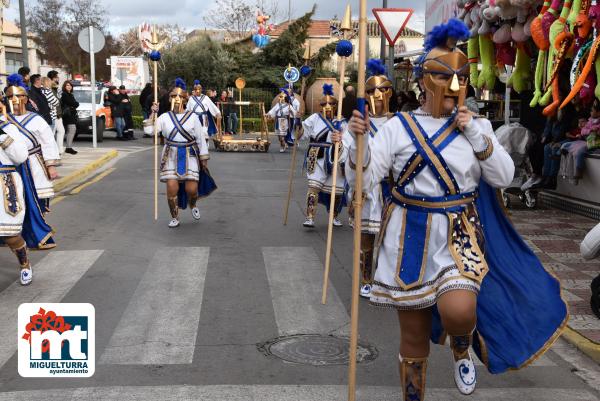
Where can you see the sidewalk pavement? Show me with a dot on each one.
(555, 235)
(76, 167)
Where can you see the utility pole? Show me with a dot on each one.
(383, 40)
(289, 11)
(23, 33)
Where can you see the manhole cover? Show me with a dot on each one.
(316, 349)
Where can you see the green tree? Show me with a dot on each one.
(57, 23)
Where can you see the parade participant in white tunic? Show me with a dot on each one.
(284, 114)
(205, 109)
(379, 92)
(13, 152)
(44, 154)
(319, 158)
(430, 249)
(297, 121)
(185, 156)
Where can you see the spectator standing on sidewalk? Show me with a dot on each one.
(37, 99)
(229, 114)
(147, 92)
(52, 100)
(114, 97)
(25, 73)
(59, 129)
(127, 113)
(69, 115)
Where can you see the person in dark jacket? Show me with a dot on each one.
(114, 98)
(69, 107)
(37, 100)
(147, 92)
(349, 102)
(127, 113)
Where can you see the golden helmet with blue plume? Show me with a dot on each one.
(329, 103)
(178, 96)
(444, 68)
(378, 88)
(16, 95)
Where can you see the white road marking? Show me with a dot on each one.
(295, 277)
(289, 393)
(160, 323)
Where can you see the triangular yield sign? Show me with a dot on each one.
(392, 21)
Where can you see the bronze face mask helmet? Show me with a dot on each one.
(282, 97)
(445, 68)
(329, 102)
(197, 90)
(178, 97)
(378, 89)
(16, 95)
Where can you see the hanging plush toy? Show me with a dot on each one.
(521, 76)
(561, 41)
(590, 62)
(542, 43)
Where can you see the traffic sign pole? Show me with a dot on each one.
(93, 79)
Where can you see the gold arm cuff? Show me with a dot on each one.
(52, 163)
(7, 142)
(204, 157)
(489, 149)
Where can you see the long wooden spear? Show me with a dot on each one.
(362, 64)
(155, 57)
(345, 27)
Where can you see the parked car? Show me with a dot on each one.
(104, 121)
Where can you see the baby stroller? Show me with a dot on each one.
(516, 140)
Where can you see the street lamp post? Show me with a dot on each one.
(383, 41)
(25, 50)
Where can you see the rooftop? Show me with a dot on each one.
(323, 29)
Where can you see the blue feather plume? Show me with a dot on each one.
(376, 67)
(180, 83)
(328, 90)
(16, 80)
(438, 36)
(196, 82)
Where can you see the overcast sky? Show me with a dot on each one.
(188, 13)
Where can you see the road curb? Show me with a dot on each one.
(584, 344)
(64, 182)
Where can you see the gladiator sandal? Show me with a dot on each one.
(413, 372)
(465, 375)
(366, 264)
(311, 208)
(23, 258)
(194, 208)
(174, 209)
(336, 211)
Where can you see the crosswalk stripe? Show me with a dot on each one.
(160, 324)
(295, 277)
(289, 393)
(53, 278)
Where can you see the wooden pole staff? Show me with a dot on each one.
(362, 64)
(155, 87)
(345, 27)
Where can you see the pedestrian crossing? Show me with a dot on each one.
(288, 393)
(161, 321)
(165, 306)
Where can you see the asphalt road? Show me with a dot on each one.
(181, 313)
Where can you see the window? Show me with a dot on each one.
(14, 61)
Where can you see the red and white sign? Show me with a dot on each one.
(392, 21)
